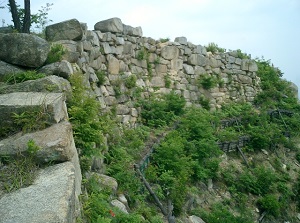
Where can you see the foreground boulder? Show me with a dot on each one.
(67, 30)
(113, 25)
(50, 83)
(56, 144)
(23, 49)
(51, 198)
(6, 68)
(51, 104)
(63, 69)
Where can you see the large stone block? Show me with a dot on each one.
(63, 69)
(48, 84)
(51, 198)
(66, 30)
(6, 68)
(197, 59)
(170, 52)
(182, 40)
(113, 25)
(23, 49)
(113, 65)
(128, 30)
(56, 143)
(52, 105)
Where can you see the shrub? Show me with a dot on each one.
(207, 81)
(242, 55)
(270, 204)
(161, 111)
(214, 48)
(142, 54)
(167, 81)
(101, 75)
(130, 82)
(55, 54)
(164, 40)
(204, 102)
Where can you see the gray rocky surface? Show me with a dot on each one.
(50, 199)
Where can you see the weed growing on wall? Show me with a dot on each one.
(21, 77)
(214, 48)
(19, 171)
(55, 54)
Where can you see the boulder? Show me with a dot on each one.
(113, 25)
(63, 69)
(182, 40)
(118, 204)
(131, 31)
(106, 181)
(66, 30)
(56, 143)
(23, 49)
(113, 65)
(51, 83)
(169, 52)
(188, 69)
(6, 68)
(70, 54)
(51, 198)
(197, 59)
(195, 219)
(51, 105)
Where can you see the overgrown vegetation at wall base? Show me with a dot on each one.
(190, 155)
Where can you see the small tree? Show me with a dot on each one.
(23, 19)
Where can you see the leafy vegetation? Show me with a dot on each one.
(55, 54)
(189, 155)
(214, 48)
(164, 40)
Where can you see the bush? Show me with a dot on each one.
(214, 48)
(130, 82)
(55, 54)
(101, 77)
(208, 82)
(270, 204)
(161, 111)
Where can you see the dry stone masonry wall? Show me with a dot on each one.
(122, 53)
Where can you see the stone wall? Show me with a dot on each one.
(123, 54)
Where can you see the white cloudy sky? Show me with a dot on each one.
(269, 28)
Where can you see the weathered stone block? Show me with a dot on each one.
(48, 84)
(169, 52)
(66, 30)
(182, 40)
(23, 49)
(62, 69)
(6, 68)
(113, 25)
(51, 198)
(56, 143)
(51, 103)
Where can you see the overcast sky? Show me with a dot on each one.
(268, 28)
